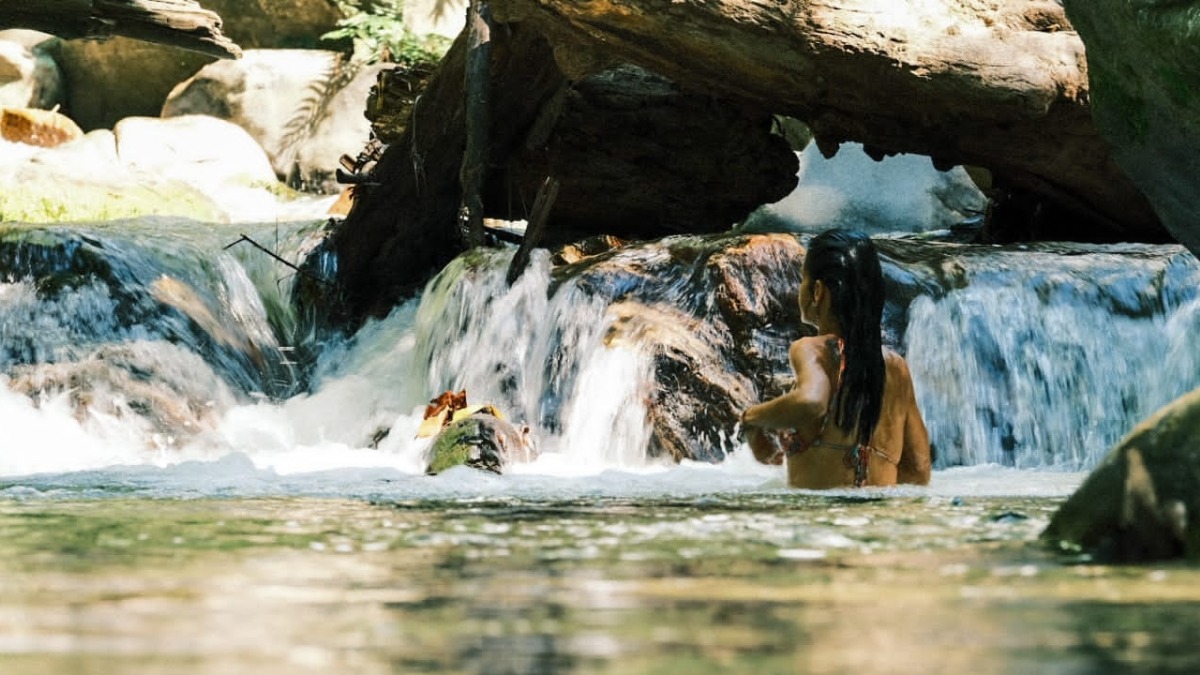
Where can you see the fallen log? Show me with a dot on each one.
(674, 142)
(632, 155)
(178, 23)
(1000, 84)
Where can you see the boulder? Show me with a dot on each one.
(710, 360)
(44, 128)
(480, 441)
(100, 75)
(28, 78)
(304, 107)
(195, 149)
(1141, 502)
(193, 166)
(1146, 101)
(84, 180)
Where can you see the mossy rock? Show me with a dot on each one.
(53, 201)
(1144, 83)
(480, 441)
(1141, 502)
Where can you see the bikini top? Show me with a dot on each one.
(858, 455)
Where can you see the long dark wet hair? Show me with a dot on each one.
(847, 263)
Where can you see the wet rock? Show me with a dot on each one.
(169, 390)
(716, 316)
(480, 441)
(1141, 502)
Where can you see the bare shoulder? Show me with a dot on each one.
(809, 351)
(893, 360)
(897, 367)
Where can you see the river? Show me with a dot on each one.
(194, 480)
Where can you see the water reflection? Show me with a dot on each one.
(767, 582)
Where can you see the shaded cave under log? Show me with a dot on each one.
(632, 155)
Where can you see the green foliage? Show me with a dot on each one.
(379, 33)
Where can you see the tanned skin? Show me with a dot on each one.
(900, 433)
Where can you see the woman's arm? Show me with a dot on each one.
(803, 408)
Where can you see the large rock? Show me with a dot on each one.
(1144, 74)
(28, 78)
(700, 352)
(193, 166)
(304, 107)
(44, 128)
(1141, 502)
(121, 77)
(195, 148)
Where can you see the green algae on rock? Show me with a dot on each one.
(1136, 505)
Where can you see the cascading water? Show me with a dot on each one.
(538, 354)
(146, 345)
(1044, 357)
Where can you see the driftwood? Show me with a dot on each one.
(178, 23)
(534, 230)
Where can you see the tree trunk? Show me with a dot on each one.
(1000, 84)
(475, 104)
(178, 23)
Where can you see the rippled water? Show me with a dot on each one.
(266, 532)
(690, 569)
(226, 567)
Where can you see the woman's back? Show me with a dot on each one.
(822, 455)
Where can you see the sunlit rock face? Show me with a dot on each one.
(1144, 72)
(303, 106)
(122, 77)
(1141, 502)
(28, 76)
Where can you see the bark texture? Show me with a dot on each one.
(179, 23)
(1000, 84)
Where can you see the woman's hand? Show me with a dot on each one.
(762, 444)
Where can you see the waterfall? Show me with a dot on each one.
(150, 342)
(538, 352)
(1043, 359)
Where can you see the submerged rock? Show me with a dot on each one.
(1138, 504)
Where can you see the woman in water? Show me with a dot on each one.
(852, 418)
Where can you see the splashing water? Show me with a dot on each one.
(1014, 363)
(1047, 361)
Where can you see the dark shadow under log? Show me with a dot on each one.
(633, 155)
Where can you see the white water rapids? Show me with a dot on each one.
(469, 331)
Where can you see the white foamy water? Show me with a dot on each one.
(1014, 373)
